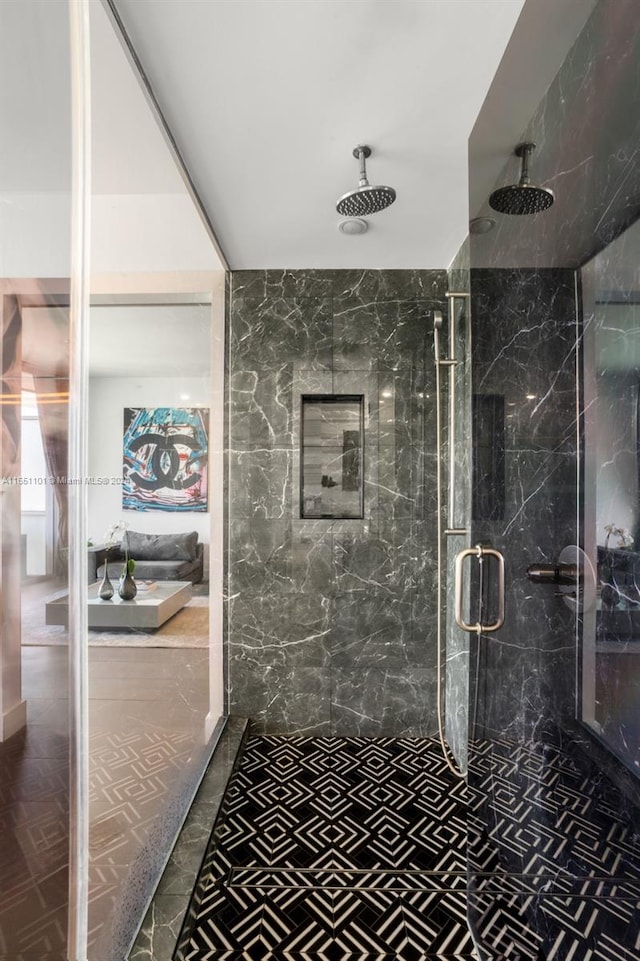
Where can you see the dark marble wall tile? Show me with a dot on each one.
(528, 358)
(365, 285)
(247, 283)
(287, 631)
(262, 483)
(369, 581)
(262, 406)
(375, 701)
(362, 561)
(298, 283)
(587, 130)
(380, 630)
(290, 700)
(379, 334)
(259, 556)
(272, 332)
(312, 559)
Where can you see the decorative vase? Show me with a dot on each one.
(105, 591)
(127, 588)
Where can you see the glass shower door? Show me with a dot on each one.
(457, 527)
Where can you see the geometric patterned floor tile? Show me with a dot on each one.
(356, 848)
(335, 848)
(554, 855)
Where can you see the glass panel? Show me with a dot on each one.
(35, 217)
(153, 496)
(457, 644)
(611, 632)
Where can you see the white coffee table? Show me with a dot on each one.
(146, 612)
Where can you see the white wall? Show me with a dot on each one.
(108, 396)
(34, 526)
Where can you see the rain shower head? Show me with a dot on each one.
(523, 197)
(365, 199)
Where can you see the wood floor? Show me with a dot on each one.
(146, 744)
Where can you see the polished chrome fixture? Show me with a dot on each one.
(523, 197)
(365, 199)
(480, 552)
(451, 363)
(554, 573)
(572, 576)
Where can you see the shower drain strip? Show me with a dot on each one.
(340, 879)
(413, 880)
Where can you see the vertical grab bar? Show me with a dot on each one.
(451, 764)
(479, 552)
(451, 362)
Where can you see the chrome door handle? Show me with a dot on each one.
(480, 552)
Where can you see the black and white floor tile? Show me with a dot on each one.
(554, 857)
(356, 848)
(335, 848)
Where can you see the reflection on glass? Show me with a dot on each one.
(332, 452)
(611, 642)
(155, 303)
(35, 201)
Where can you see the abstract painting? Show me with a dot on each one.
(165, 459)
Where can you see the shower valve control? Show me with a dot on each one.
(572, 575)
(554, 573)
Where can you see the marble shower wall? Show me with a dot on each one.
(331, 623)
(524, 359)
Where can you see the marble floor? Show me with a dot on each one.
(147, 749)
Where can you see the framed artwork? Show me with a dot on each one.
(331, 461)
(165, 459)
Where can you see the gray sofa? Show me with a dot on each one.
(158, 557)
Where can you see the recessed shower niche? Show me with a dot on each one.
(331, 461)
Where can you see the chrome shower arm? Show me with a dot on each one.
(361, 153)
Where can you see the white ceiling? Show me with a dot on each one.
(143, 218)
(267, 99)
